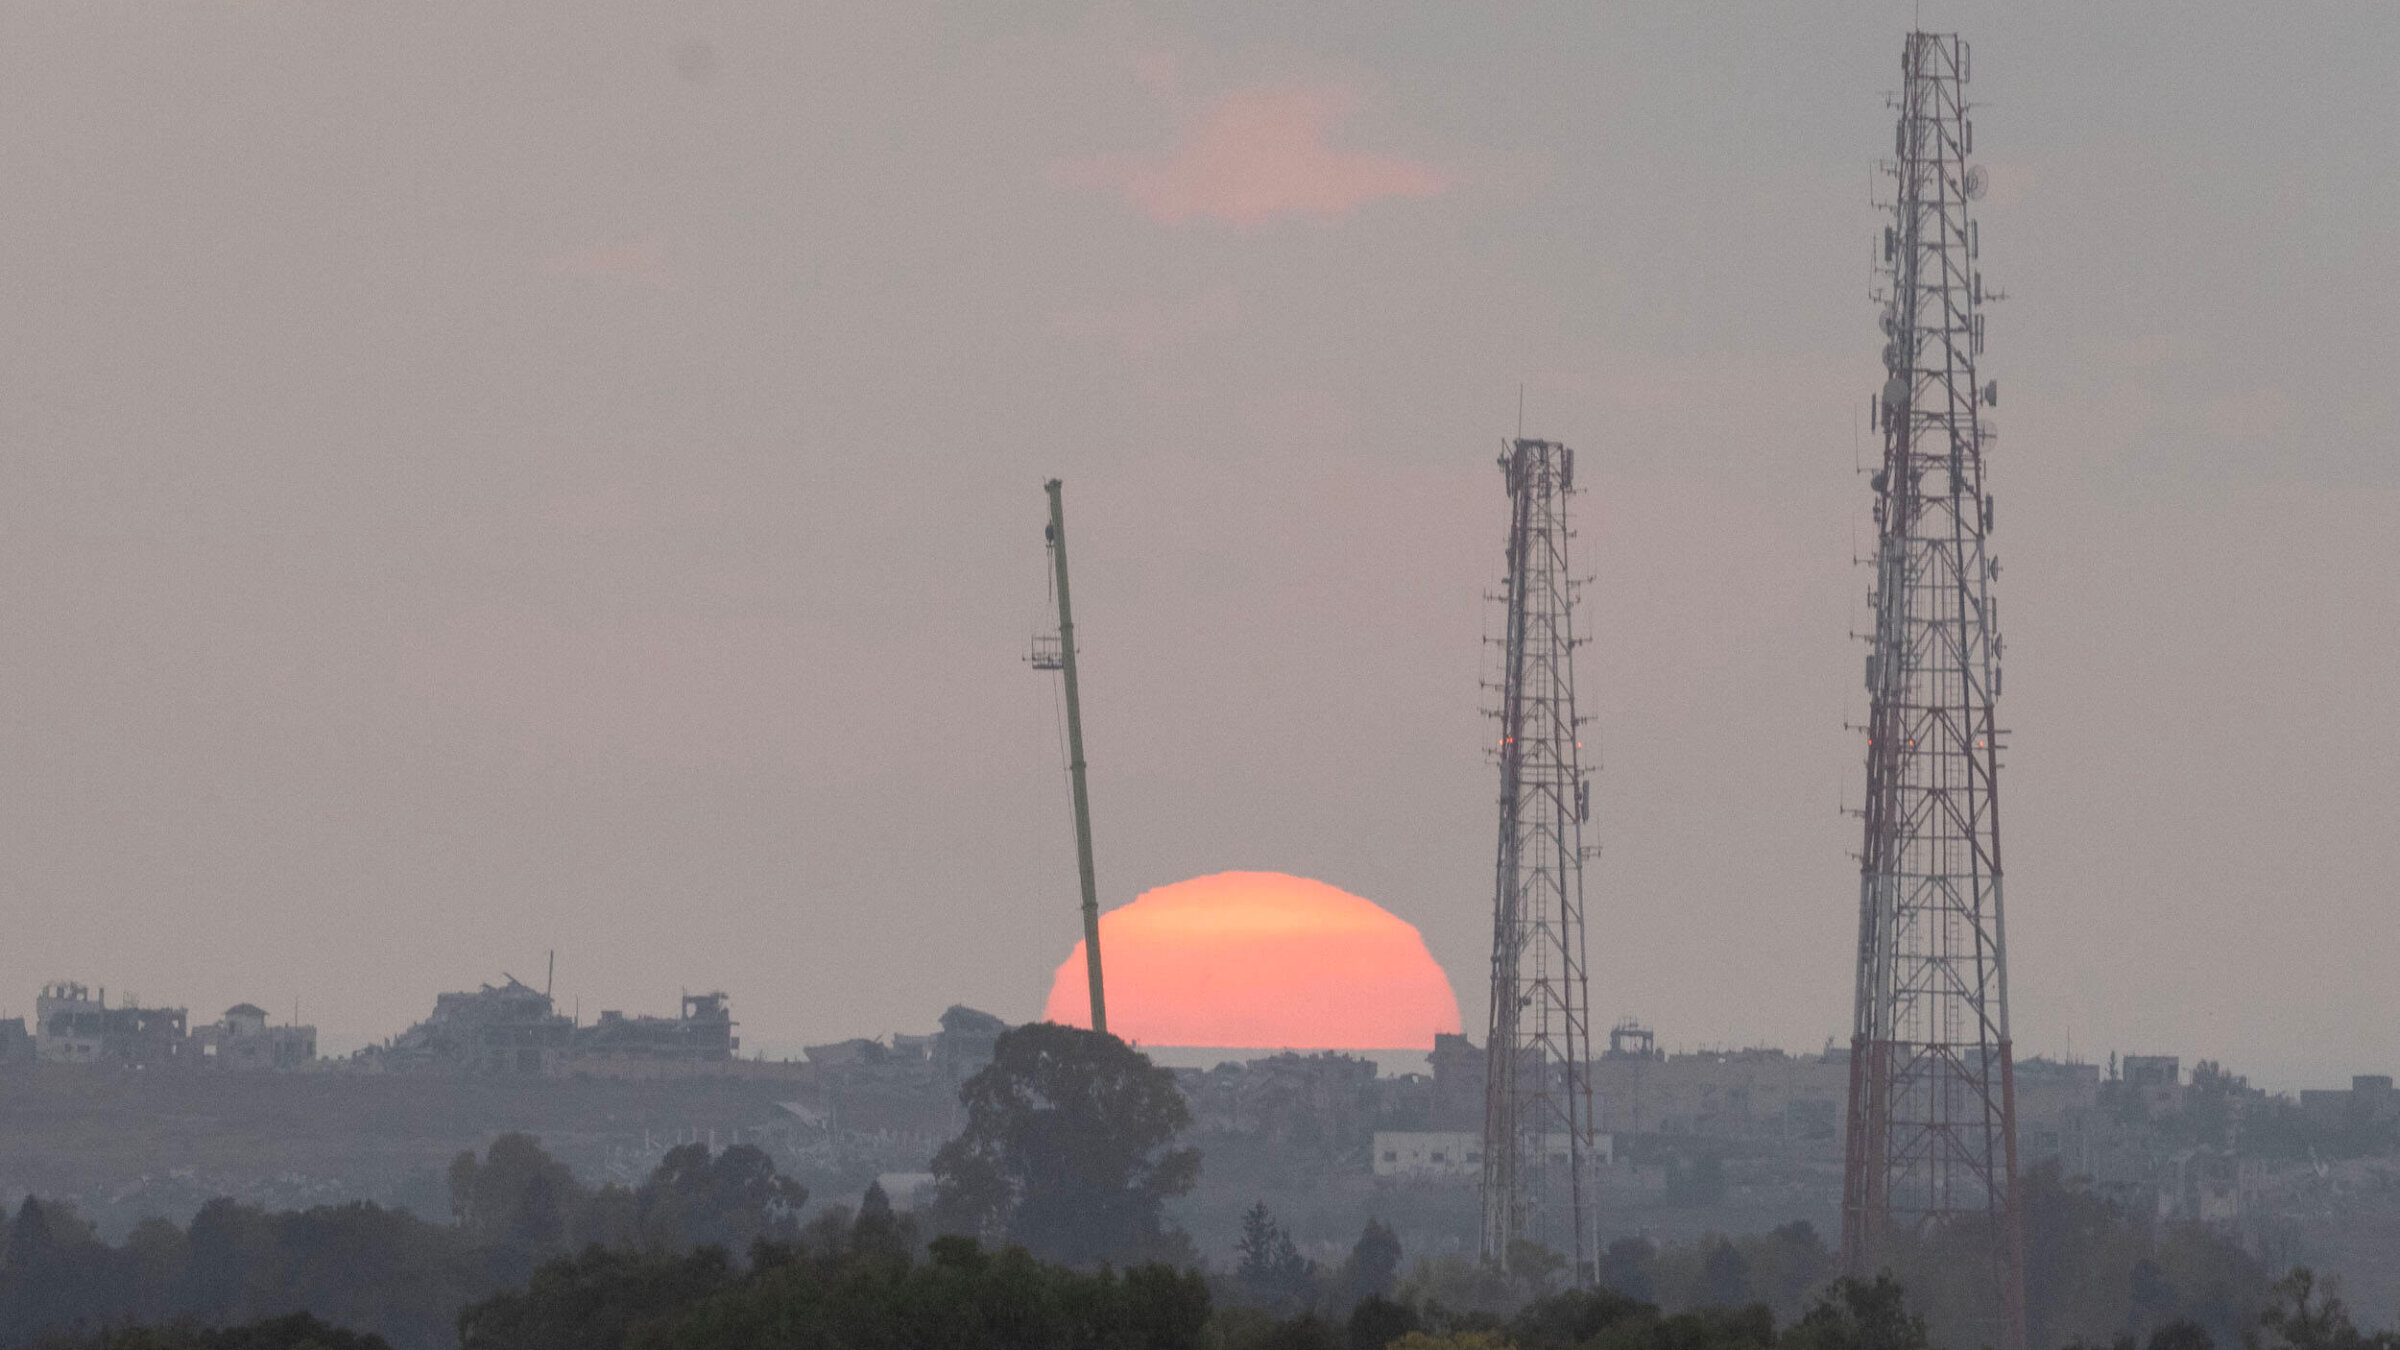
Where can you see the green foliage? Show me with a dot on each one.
(878, 1232)
(1068, 1148)
(1307, 1331)
(1782, 1269)
(728, 1200)
(297, 1331)
(1625, 1267)
(2096, 1272)
(357, 1265)
(384, 1271)
(863, 1281)
(1575, 1317)
(594, 1300)
(1463, 1284)
(520, 1206)
(1374, 1264)
(1534, 1267)
(963, 1296)
(1455, 1340)
(1271, 1269)
(1859, 1315)
(2300, 1315)
(1377, 1321)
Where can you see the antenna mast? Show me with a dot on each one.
(1537, 1115)
(1058, 653)
(1932, 1138)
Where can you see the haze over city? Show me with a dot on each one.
(488, 480)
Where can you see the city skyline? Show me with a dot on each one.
(572, 480)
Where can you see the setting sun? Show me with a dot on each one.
(1261, 960)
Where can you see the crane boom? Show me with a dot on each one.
(1075, 770)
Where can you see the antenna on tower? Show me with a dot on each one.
(1538, 1146)
(1932, 1134)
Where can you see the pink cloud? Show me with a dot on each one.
(1254, 156)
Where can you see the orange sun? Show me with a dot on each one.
(1260, 960)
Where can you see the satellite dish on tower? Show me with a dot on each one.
(1977, 182)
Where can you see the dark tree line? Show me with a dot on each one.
(864, 1281)
(374, 1269)
(1047, 1231)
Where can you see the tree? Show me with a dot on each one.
(293, 1331)
(730, 1199)
(1857, 1315)
(1271, 1267)
(1533, 1267)
(878, 1232)
(1456, 1340)
(592, 1301)
(1724, 1276)
(1378, 1321)
(517, 1203)
(1625, 1267)
(1577, 1317)
(961, 1296)
(1374, 1264)
(51, 1272)
(2182, 1334)
(1068, 1147)
(2301, 1315)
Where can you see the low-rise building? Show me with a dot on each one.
(72, 1025)
(703, 1030)
(509, 1028)
(1429, 1155)
(1457, 1155)
(514, 1029)
(242, 1039)
(1758, 1095)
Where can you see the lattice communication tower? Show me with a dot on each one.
(1932, 1141)
(1537, 1123)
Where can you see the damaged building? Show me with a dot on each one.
(508, 1028)
(703, 1031)
(908, 1088)
(16, 1043)
(73, 1025)
(513, 1028)
(244, 1039)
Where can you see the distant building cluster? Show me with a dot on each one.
(1457, 1155)
(74, 1024)
(1755, 1097)
(904, 1087)
(901, 1085)
(2199, 1145)
(510, 1028)
(514, 1028)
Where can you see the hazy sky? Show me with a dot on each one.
(483, 478)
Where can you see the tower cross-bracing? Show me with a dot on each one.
(1537, 1124)
(1931, 1151)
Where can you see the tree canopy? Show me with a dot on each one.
(1068, 1148)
